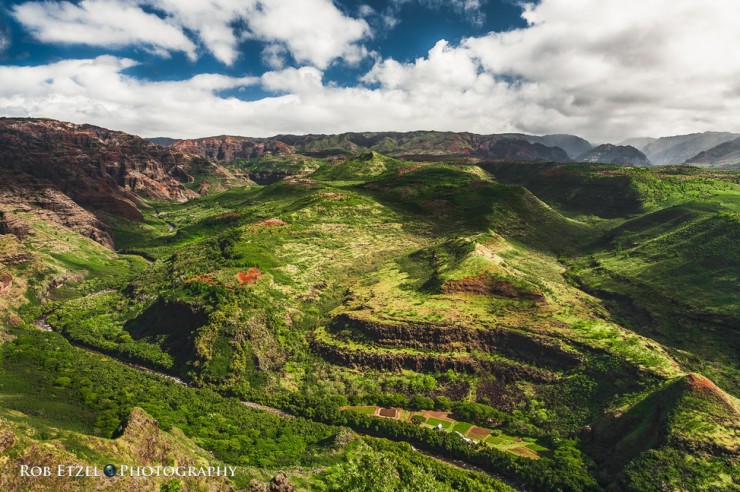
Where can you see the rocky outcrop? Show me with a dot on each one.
(23, 194)
(99, 169)
(228, 148)
(141, 442)
(529, 347)
(485, 284)
(6, 283)
(398, 361)
(615, 154)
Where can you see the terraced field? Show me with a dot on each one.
(443, 421)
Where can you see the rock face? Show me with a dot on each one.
(227, 148)
(726, 155)
(141, 443)
(486, 284)
(99, 169)
(428, 363)
(21, 193)
(6, 282)
(615, 154)
(410, 145)
(531, 348)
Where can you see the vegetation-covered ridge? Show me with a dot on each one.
(579, 306)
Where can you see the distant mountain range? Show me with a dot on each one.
(432, 145)
(684, 148)
(420, 145)
(725, 155)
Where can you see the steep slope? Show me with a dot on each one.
(725, 155)
(461, 291)
(141, 443)
(227, 148)
(22, 194)
(612, 191)
(97, 168)
(637, 267)
(675, 438)
(615, 154)
(589, 190)
(679, 148)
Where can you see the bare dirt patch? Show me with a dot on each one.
(201, 278)
(479, 433)
(437, 415)
(391, 413)
(270, 223)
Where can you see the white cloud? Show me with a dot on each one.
(101, 23)
(604, 69)
(304, 80)
(313, 31)
(624, 67)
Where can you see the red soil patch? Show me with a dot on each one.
(227, 215)
(270, 223)
(700, 383)
(391, 413)
(250, 276)
(201, 278)
(479, 433)
(484, 284)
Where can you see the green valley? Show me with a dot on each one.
(574, 325)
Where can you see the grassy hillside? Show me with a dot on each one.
(541, 302)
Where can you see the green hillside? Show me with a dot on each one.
(565, 304)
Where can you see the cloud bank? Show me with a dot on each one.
(312, 31)
(604, 69)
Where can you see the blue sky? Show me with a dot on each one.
(604, 69)
(401, 30)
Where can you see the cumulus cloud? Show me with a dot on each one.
(101, 23)
(312, 31)
(600, 68)
(604, 69)
(293, 80)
